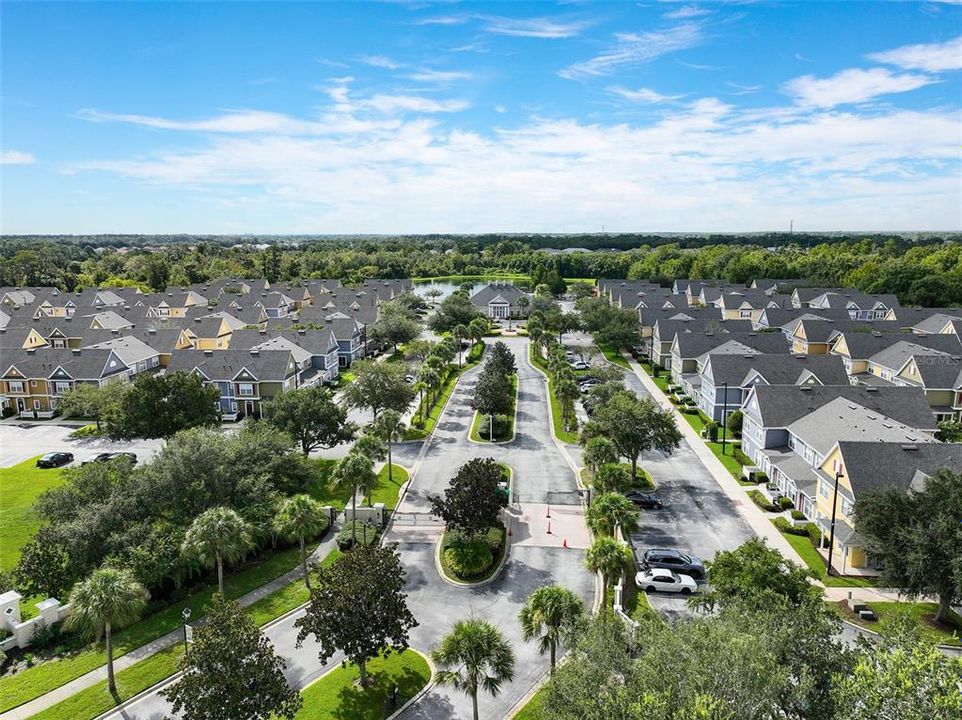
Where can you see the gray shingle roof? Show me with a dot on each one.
(777, 369)
(872, 466)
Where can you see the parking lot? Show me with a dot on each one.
(19, 442)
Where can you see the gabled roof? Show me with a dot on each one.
(128, 348)
(873, 466)
(738, 370)
(226, 365)
(508, 292)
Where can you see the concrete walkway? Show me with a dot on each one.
(164, 641)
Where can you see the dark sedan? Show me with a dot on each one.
(54, 460)
(674, 560)
(649, 501)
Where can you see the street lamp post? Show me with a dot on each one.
(185, 616)
(831, 533)
(724, 414)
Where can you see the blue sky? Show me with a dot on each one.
(480, 117)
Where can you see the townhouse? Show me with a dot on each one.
(857, 468)
(690, 350)
(697, 320)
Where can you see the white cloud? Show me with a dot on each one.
(738, 89)
(16, 157)
(895, 169)
(501, 109)
(241, 121)
(937, 57)
(379, 61)
(634, 49)
(411, 103)
(645, 95)
(549, 28)
(854, 85)
(439, 76)
(443, 20)
(686, 12)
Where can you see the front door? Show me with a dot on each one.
(20, 405)
(249, 408)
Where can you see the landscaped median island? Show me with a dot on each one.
(474, 544)
(563, 422)
(495, 397)
(392, 682)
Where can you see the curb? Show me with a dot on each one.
(423, 691)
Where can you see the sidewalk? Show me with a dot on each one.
(750, 512)
(56, 695)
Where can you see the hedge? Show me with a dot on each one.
(760, 500)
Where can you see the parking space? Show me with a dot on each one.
(24, 441)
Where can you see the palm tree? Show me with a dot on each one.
(299, 518)
(356, 471)
(371, 445)
(549, 614)
(390, 427)
(480, 655)
(610, 510)
(432, 379)
(607, 556)
(599, 451)
(217, 535)
(459, 333)
(477, 328)
(567, 392)
(419, 387)
(107, 600)
(523, 302)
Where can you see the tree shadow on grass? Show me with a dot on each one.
(376, 702)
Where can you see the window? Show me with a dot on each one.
(61, 387)
(15, 386)
(36, 404)
(847, 506)
(33, 383)
(245, 389)
(823, 490)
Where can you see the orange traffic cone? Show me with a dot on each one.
(509, 531)
(565, 543)
(549, 527)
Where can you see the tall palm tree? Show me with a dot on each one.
(549, 614)
(607, 556)
(477, 328)
(298, 518)
(432, 379)
(390, 427)
(217, 535)
(609, 510)
(459, 333)
(523, 302)
(567, 392)
(474, 655)
(419, 387)
(356, 471)
(107, 600)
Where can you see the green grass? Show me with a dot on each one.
(335, 696)
(557, 421)
(613, 356)
(19, 487)
(920, 614)
(387, 491)
(495, 562)
(803, 546)
(44, 677)
(95, 700)
(321, 489)
(503, 430)
(532, 709)
(644, 483)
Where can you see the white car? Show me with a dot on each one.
(661, 580)
(579, 365)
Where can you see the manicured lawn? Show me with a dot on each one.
(503, 430)
(387, 491)
(321, 489)
(19, 487)
(803, 546)
(95, 700)
(613, 356)
(44, 677)
(564, 435)
(920, 613)
(335, 696)
(532, 708)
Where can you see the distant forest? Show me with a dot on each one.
(920, 270)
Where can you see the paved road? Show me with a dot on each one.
(535, 560)
(19, 442)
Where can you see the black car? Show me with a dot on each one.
(108, 456)
(54, 460)
(674, 560)
(649, 501)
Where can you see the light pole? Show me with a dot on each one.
(185, 616)
(831, 532)
(724, 414)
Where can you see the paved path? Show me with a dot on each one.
(124, 661)
(540, 465)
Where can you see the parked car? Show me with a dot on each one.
(662, 580)
(108, 456)
(579, 365)
(670, 559)
(55, 460)
(649, 501)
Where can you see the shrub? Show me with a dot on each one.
(711, 431)
(734, 423)
(741, 457)
(365, 534)
(785, 503)
(85, 432)
(477, 350)
(798, 515)
(814, 534)
(786, 527)
(760, 500)
(468, 558)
